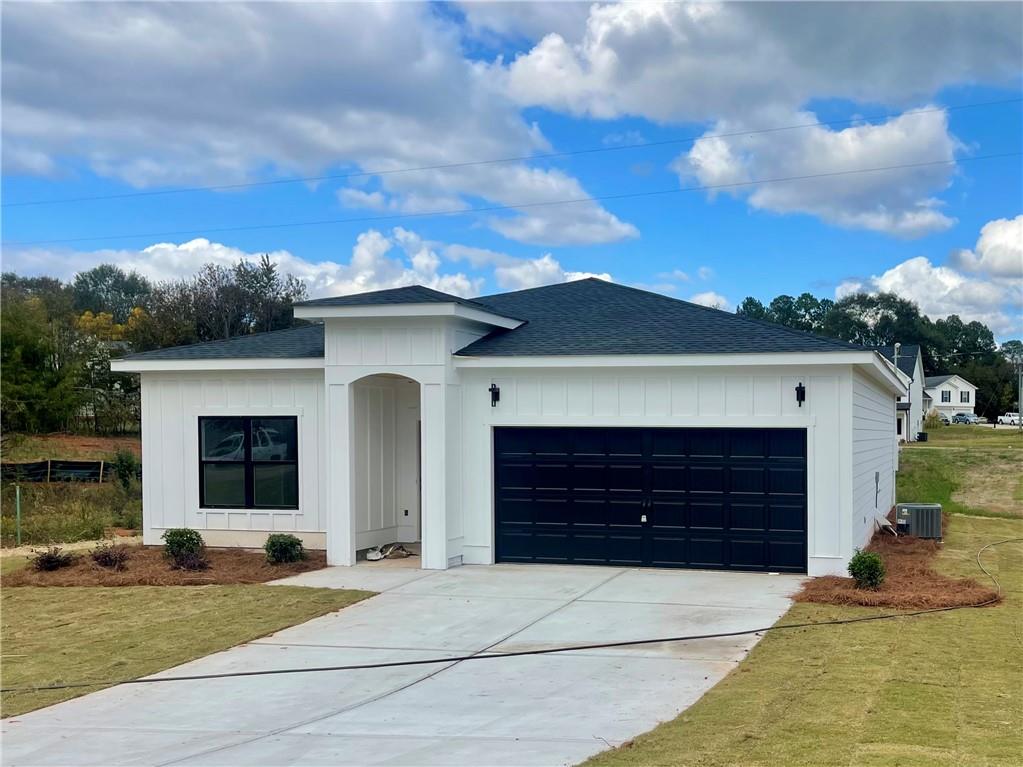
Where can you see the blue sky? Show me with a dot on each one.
(115, 99)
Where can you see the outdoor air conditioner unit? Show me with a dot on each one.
(922, 520)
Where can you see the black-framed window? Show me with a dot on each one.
(946, 396)
(964, 396)
(248, 462)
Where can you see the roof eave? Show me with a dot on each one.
(419, 310)
(215, 364)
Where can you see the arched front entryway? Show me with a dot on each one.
(385, 461)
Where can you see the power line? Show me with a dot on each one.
(500, 160)
(517, 206)
(543, 651)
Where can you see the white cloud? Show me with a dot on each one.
(976, 285)
(941, 290)
(377, 261)
(693, 62)
(898, 202)
(214, 93)
(705, 273)
(711, 299)
(999, 251)
(532, 273)
(744, 66)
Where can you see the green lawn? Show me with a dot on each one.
(960, 435)
(967, 469)
(53, 635)
(942, 689)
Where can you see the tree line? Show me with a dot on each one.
(58, 338)
(883, 319)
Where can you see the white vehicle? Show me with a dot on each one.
(1009, 419)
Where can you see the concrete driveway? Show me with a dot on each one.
(538, 710)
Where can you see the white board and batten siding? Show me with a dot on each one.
(875, 455)
(703, 397)
(171, 406)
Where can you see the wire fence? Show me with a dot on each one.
(52, 470)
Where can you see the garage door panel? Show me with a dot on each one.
(707, 552)
(625, 478)
(552, 476)
(515, 476)
(589, 477)
(666, 443)
(670, 478)
(787, 443)
(624, 513)
(552, 512)
(747, 479)
(706, 443)
(787, 517)
(748, 516)
(666, 514)
(624, 442)
(747, 443)
(787, 481)
(748, 553)
(669, 551)
(663, 497)
(786, 556)
(706, 479)
(707, 515)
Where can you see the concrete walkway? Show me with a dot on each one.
(536, 710)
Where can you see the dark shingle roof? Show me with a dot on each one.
(412, 294)
(575, 318)
(907, 356)
(936, 380)
(305, 341)
(593, 316)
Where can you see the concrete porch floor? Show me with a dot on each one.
(534, 710)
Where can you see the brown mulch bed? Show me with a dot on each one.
(911, 582)
(147, 566)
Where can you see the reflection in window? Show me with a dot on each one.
(248, 462)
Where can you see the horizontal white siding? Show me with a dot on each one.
(171, 406)
(874, 455)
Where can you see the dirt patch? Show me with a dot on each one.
(147, 566)
(911, 581)
(73, 447)
(990, 481)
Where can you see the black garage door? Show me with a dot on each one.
(707, 498)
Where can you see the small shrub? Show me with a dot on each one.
(53, 558)
(111, 557)
(867, 569)
(185, 548)
(125, 466)
(282, 547)
(933, 422)
(191, 561)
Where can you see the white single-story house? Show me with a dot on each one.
(583, 423)
(949, 394)
(908, 360)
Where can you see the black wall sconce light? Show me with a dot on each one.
(800, 394)
(495, 394)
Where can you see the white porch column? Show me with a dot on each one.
(338, 465)
(433, 412)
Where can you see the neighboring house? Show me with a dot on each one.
(584, 422)
(950, 394)
(911, 412)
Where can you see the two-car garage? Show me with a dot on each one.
(715, 498)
